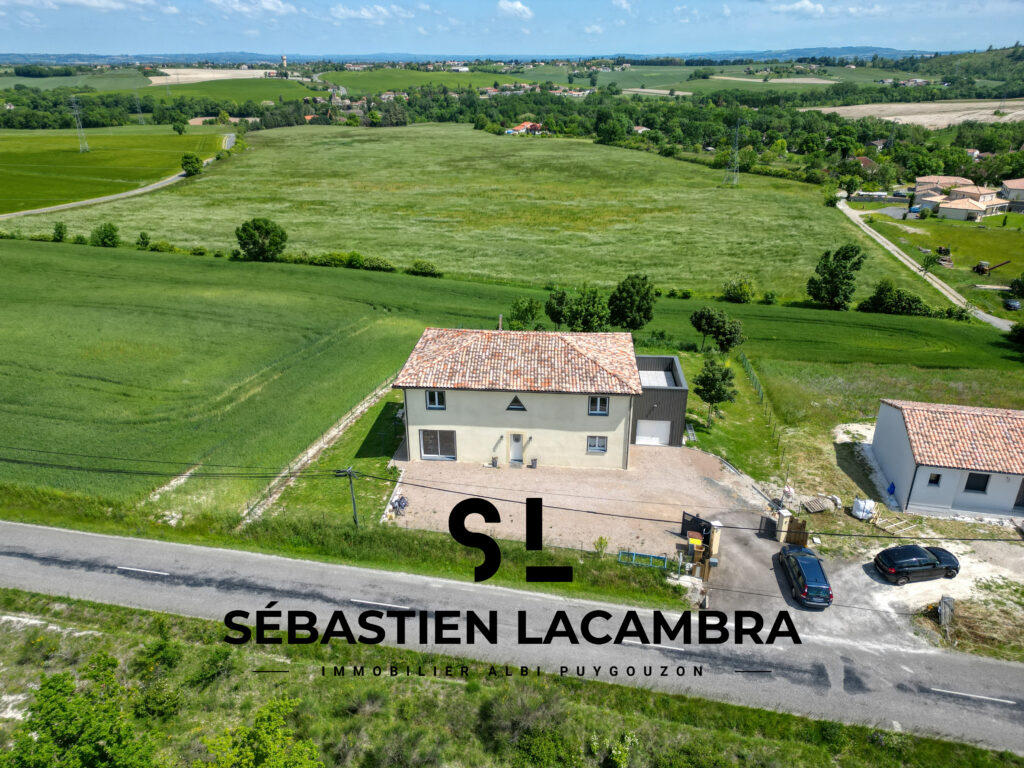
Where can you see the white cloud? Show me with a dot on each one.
(726, 10)
(96, 5)
(623, 4)
(377, 14)
(170, 10)
(254, 7)
(29, 19)
(515, 8)
(422, 31)
(873, 10)
(801, 8)
(593, 29)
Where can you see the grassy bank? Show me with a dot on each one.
(187, 686)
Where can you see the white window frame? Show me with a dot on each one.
(597, 444)
(596, 400)
(440, 401)
(438, 457)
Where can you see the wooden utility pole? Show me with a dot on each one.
(351, 490)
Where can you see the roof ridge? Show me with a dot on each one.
(566, 337)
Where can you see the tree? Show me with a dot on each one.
(929, 262)
(79, 724)
(713, 384)
(631, 305)
(849, 184)
(555, 306)
(829, 189)
(834, 280)
(352, 120)
(587, 311)
(191, 164)
(593, 79)
(267, 743)
(739, 290)
(223, 118)
(261, 240)
(728, 334)
(179, 127)
(60, 232)
(706, 321)
(105, 236)
(523, 314)
(142, 242)
(1016, 285)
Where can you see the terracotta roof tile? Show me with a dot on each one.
(965, 203)
(522, 361)
(976, 439)
(1014, 183)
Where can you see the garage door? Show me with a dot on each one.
(653, 432)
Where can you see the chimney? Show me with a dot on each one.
(500, 317)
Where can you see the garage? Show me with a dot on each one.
(653, 432)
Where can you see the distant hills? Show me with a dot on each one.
(236, 57)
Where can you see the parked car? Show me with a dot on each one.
(1012, 304)
(899, 193)
(913, 563)
(806, 573)
(915, 209)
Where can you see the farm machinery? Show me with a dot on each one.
(983, 268)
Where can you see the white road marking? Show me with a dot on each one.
(906, 669)
(142, 570)
(386, 605)
(974, 696)
(653, 645)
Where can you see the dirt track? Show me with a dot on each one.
(802, 80)
(936, 114)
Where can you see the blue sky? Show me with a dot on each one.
(542, 27)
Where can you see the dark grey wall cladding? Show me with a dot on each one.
(662, 403)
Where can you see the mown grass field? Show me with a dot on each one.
(43, 168)
(505, 208)
(189, 686)
(101, 80)
(970, 243)
(378, 80)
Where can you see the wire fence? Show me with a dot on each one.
(768, 413)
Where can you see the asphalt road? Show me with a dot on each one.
(882, 681)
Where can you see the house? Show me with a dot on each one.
(640, 129)
(866, 162)
(952, 458)
(983, 196)
(879, 144)
(531, 128)
(8, 105)
(963, 209)
(1012, 189)
(523, 397)
(973, 153)
(938, 183)
(930, 199)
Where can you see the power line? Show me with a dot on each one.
(183, 462)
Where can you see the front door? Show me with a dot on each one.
(515, 453)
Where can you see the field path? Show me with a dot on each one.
(945, 290)
(228, 143)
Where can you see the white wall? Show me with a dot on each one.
(1013, 194)
(891, 447)
(999, 497)
(554, 427)
(959, 214)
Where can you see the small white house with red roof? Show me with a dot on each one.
(943, 459)
(518, 397)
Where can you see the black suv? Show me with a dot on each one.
(807, 579)
(913, 563)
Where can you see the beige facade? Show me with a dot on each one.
(556, 429)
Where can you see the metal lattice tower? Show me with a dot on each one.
(732, 171)
(83, 145)
(138, 108)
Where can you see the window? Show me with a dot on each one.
(598, 405)
(435, 399)
(597, 444)
(437, 444)
(934, 478)
(516, 405)
(976, 482)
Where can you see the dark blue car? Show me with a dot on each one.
(806, 574)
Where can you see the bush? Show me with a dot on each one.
(142, 241)
(1016, 335)
(199, 250)
(161, 246)
(354, 260)
(159, 699)
(105, 236)
(546, 748)
(60, 232)
(79, 240)
(890, 300)
(218, 254)
(377, 264)
(1016, 286)
(191, 164)
(424, 268)
(41, 237)
(770, 297)
(738, 290)
(216, 663)
(925, 213)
